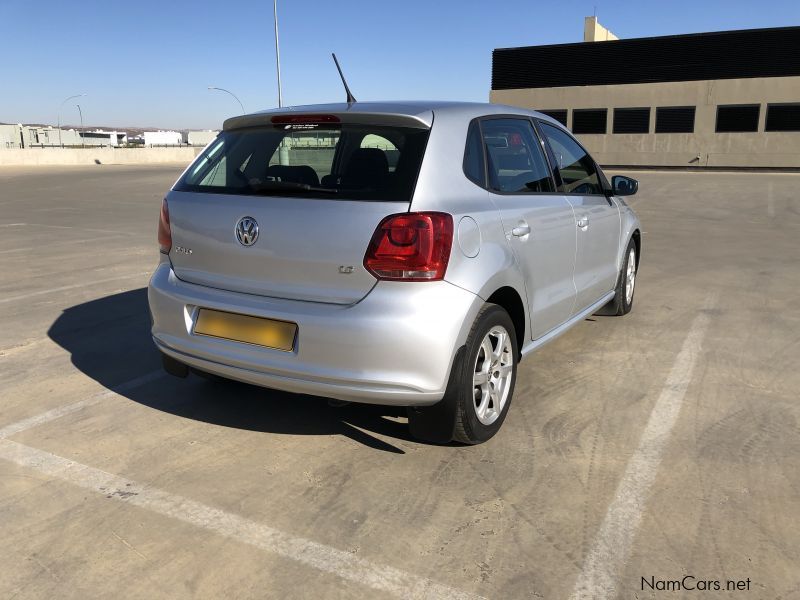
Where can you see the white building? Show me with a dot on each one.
(199, 138)
(99, 137)
(162, 138)
(11, 136)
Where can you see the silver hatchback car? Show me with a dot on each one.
(406, 254)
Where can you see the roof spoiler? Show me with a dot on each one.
(424, 120)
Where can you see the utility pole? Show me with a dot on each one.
(59, 114)
(80, 112)
(277, 52)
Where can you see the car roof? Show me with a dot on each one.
(420, 111)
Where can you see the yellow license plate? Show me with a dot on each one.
(244, 328)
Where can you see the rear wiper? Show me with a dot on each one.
(259, 186)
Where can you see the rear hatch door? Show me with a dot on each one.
(288, 209)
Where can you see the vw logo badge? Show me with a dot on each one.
(247, 231)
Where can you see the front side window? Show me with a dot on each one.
(577, 169)
(515, 161)
(338, 161)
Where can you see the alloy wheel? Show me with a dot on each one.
(491, 380)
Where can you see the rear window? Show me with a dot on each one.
(337, 161)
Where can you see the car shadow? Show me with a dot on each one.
(109, 340)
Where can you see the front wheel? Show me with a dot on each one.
(626, 284)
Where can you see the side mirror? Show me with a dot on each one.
(624, 186)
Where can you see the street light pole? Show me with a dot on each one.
(211, 87)
(80, 112)
(277, 52)
(59, 114)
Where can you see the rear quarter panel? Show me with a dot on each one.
(481, 262)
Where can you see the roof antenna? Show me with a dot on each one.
(350, 97)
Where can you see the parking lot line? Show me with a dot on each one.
(66, 409)
(64, 288)
(615, 537)
(320, 556)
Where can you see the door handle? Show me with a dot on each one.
(521, 230)
(583, 222)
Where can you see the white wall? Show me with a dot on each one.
(9, 136)
(200, 138)
(103, 156)
(162, 138)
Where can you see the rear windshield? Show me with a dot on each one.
(337, 161)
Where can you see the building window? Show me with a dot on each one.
(783, 117)
(631, 120)
(559, 114)
(737, 117)
(675, 119)
(589, 120)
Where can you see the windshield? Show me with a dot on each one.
(340, 161)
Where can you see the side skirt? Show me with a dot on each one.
(532, 345)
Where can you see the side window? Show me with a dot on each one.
(577, 169)
(514, 155)
(473, 156)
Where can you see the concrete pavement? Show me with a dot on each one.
(658, 445)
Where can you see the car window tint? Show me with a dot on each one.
(514, 157)
(473, 155)
(346, 161)
(578, 173)
(376, 141)
(314, 149)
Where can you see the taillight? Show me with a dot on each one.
(411, 247)
(164, 231)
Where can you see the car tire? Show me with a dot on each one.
(483, 387)
(623, 294)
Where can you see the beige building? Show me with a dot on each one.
(723, 99)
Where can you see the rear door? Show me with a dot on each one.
(287, 210)
(597, 217)
(539, 222)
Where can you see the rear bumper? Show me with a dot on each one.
(396, 346)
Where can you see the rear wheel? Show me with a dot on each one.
(485, 384)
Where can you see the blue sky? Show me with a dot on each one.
(148, 63)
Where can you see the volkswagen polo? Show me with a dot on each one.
(406, 254)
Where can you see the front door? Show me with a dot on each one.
(597, 218)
